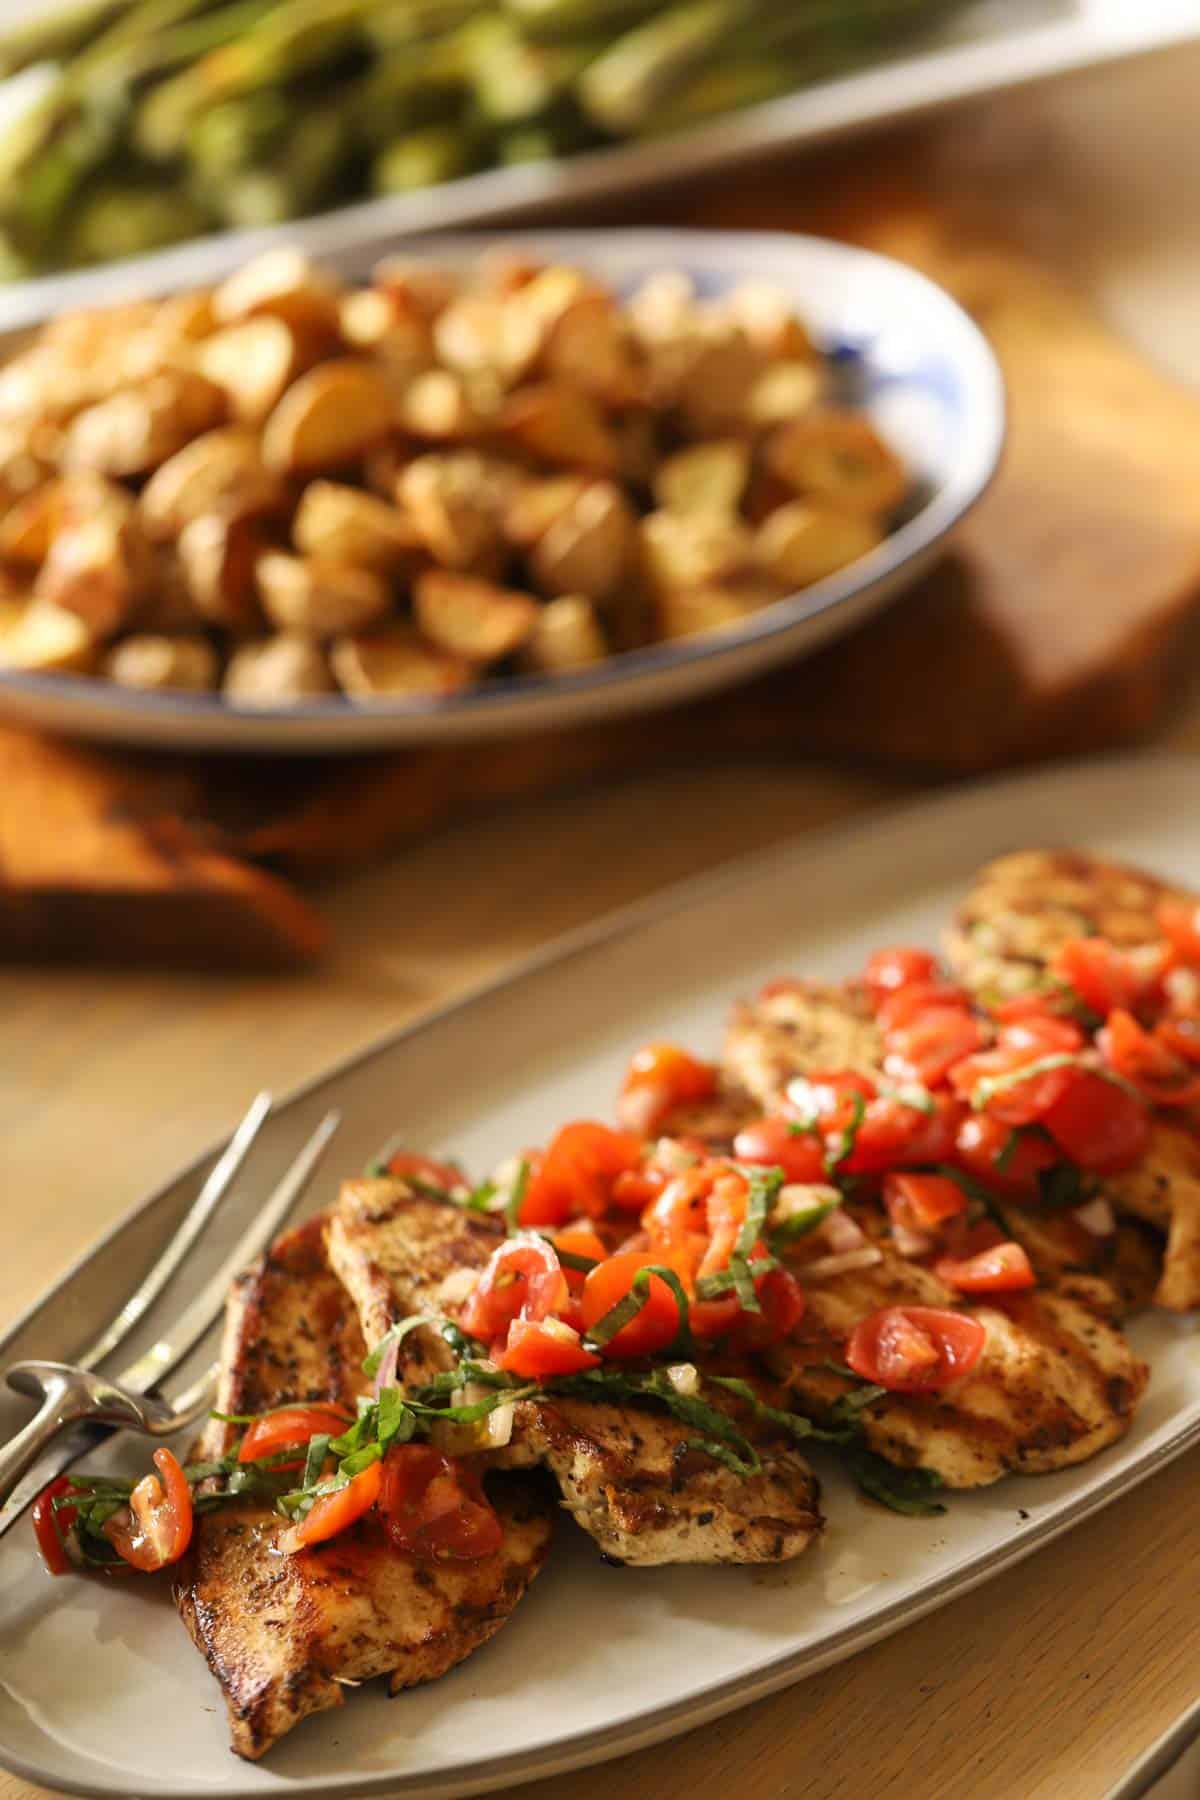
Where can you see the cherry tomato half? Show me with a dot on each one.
(291, 1426)
(1103, 976)
(888, 970)
(929, 1045)
(1097, 1124)
(1006, 1159)
(576, 1172)
(994, 1077)
(1148, 1061)
(651, 1329)
(434, 1507)
(773, 1143)
(522, 1276)
(334, 1513)
(915, 1349)
(536, 1348)
(1004, 1269)
(444, 1176)
(156, 1527)
(50, 1527)
(660, 1078)
(1180, 925)
(904, 1005)
(922, 1202)
(579, 1240)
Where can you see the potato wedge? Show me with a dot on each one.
(692, 550)
(438, 405)
(319, 598)
(278, 670)
(557, 424)
(589, 347)
(590, 547)
(535, 505)
(37, 635)
(456, 502)
(395, 663)
(481, 332)
(329, 418)
(803, 542)
(714, 386)
(138, 428)
(784, 391)
(372, 323)
(839, 457)
(567, 635)
(768, 317)
(416, 286)
(166, 607)
(283, 284)
(253, 364)
(218, 554)
(220, 471)
(24, 466)
(153, 663)
(708, 478)
(688, 611)
(98, 567)
(346, 525)
(470, 618)
(30, 526)
(663, 308)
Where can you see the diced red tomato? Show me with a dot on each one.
(1000, 1156)
(1017, 1100)
(576, 1172)
(1180, 925)
(579, 1240)
(50, 1527)
(1104, 976)
(715, 1318)
(156, 1527)
(1036, 1003)
(934, 1139)
(334, 1513)
(929, 1045)
(650, 1330)
(922, 1202)
(523, 1276)
(915, 1349)
(781, 1299)
(1004, 1269)
(1148, 1061)
(679, 1214)
(445, 1176)
(1180, 1032)
(773, 1143)
(1097, 1124)
(888, 970)
(891, 1131)
(290, 1427)
(660, 1078)
(726, 1211)
(434, 1507)
(541, 1347)
(907, 1003)
(1041, 1035)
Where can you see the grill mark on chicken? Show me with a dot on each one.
(280, 1632)
(625, 1471)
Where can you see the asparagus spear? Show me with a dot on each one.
(639, 72)
(514, 80)
(115, 220)
(548, 21)
(422, 158)
(59, 34)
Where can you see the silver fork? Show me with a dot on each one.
(77, 1401)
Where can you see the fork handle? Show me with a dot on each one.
(60, 1408)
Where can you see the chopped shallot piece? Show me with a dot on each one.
(911, 1243)
(826, 1266)
(842, 1233)
(1097, 1217)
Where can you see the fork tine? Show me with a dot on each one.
(196, 1218)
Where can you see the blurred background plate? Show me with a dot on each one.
(910, 357)
(979, 47)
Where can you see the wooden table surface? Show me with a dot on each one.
(1048, 1683)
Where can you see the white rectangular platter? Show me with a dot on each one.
(993, 45)
(100, 1691)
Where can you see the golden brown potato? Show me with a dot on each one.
(692, 550)
(439, 405)
(220, 471)
(536, 503)
(456, 502)
(559, 425)
(687, 611)
(253, 364)
(567, 635)
(317, 597)
(328, 418)
(274, 671)
(708, 478)
(24, 464)
(472, 619)
(802, 543)
(662, 308)
(151, 662)
(375, 323)
(29, 528)
(839, 457)
(768, 317)
(395, 663)
(482, 332)
(784, 391)
(589, 348)
(590, 547)
(346, 525)
(283, 284)
(714, 386)
(39, 635)
(418, 287)
(218, 553)
(138, 428)
(98, 567)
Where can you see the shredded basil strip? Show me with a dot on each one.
(906, 1491)
(795, 1423)
(1008, 1149)
(809, 1127)
(314, 1462)
(396, 1334)
(764, 1185)
(842, 1145)
(630, 1305)
(975, 1190)
(1060, 1186)
(725, 1454)
(846, 1410)
(800, 1224)
(569, 1259)
(512, 1209)
(991, 1085)
(480, 1198)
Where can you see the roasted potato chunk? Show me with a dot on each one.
(98, 567)
(220, 471)
(536, 503)
(154, 663)
(395, 663)
(136, 429)
(800, 544)
(708, 478)
(218, 554)
(317, 597)
(440, 406)
(274, 671)
(687, 611)
(682, 550)
(567, 635)
(784, 391)
(561, 426)
(253, 364)
(767, 315)
(589, 348)
(282, 284)
(590, 547)
(838, 457)
(29, 528)
(37, 635)
(329, 418)
(472, 619)
(346, 525)
(481, 332)
(456, 502)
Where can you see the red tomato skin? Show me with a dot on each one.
(781, 1298)
(1180, 925)
(156, 1527)
(576, 1172)
(334, 1513)
(535, 1352)
(434, 1508)
(1041, 1036)
(46, 1529)
(1147, 1060)
(922, 1202)
(889, 970)
(915, 1349)
(907, 1003)
(579, 1240)
(290, 1425)
(661, 1077)
(927, 1048)
(1103, 976)
(772, 1143)
(1019, 1102)
(1097, 1124)
(982, 1141)
(523, 1275)
(654, 1327)
(1004, 1269)
(436, 1174)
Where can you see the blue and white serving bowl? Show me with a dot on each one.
(909, 356)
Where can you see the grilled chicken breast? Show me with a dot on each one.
(1018, 912)
(626, 1472)
(281, 1632)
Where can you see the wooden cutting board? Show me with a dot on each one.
(1055, 624)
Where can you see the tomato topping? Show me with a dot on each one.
(540, 1347)
(434, 1507)
(523, 1276)
(291, 1426)
(1041, 1035)
(1180, 925)
(928, 1046)
(156, 1527)
(773, 1143)
(443, 1176)
(576, 1172)
(1097, 1124)
(679, 1215)
(888, 970)
(1001, 1156)
(650, 1330)
(660, 1078)
(579, 1240)
(993, 1080)
(1103, 976)
(903, 1006)
(915, 1349)
(726, 1215)
(1180, 1032)
(1036, 1003)
(781, 1299)
(1148, 1061)
(336, 1512)
(50, 1527)
(922, 1202)
(715, 1318)
(1004, 1269)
